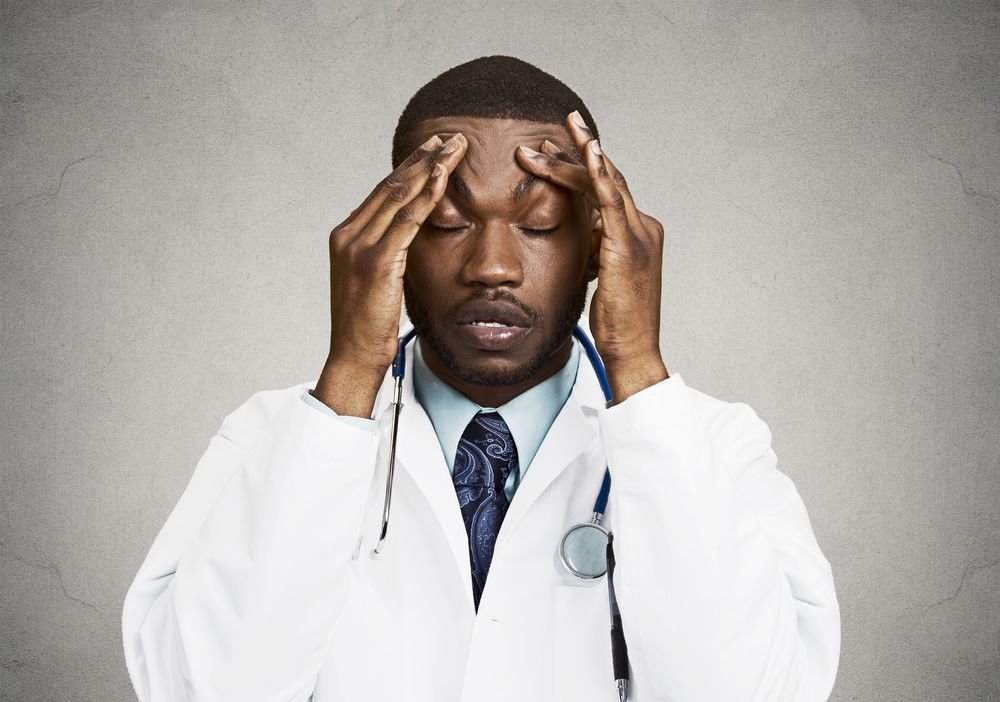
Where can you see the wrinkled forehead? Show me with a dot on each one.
(489, 165)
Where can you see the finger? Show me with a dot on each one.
(563, 173)
(428, 146)
(610, 200)
(579, 131)
(582, 137)
(555, 151)
(552, 149)
(618, 178)
(421, 158)
(409, 218)
(399, 194)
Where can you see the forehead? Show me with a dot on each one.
(489, 167)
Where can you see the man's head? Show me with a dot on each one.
(498, 274)
(492, 87)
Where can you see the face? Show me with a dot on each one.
(498, 274)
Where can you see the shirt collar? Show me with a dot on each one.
(529, 415)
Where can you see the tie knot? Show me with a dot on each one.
(486, 451)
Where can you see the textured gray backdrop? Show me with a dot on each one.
(828, 173)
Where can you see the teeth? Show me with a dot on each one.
(489, 324)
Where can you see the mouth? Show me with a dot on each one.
(495, 313)
(492, 326)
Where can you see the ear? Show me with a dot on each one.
(596, 223)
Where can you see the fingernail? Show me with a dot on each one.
(596, 148)
(578, 120)
(549, 145)
(452, 144)
(431, 143)
(530, 153)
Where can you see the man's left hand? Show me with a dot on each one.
(625, 309)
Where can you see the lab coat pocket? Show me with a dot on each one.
(582, 656)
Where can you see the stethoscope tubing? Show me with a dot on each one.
(398, 373)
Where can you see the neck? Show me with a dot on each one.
(495, 395)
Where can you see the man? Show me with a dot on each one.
(264, 584)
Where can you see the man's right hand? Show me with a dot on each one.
(367, 261)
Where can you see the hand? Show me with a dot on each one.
(367, 261)
(625, 309)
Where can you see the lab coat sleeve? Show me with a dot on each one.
(723, 589)
(238, 597)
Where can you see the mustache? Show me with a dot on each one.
(492, 296)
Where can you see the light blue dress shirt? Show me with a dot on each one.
(529, 415)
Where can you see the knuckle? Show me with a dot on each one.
(414, 157)
(406, 214)
(392, 181)
(345, 227)
(423, 204)
(618, 201)
(651, 228)
(620, 180)
(399, 193)
(339, 236)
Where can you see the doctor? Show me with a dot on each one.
(263, 584)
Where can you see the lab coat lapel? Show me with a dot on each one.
(570, 435)
(419, 454)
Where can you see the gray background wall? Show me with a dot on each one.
(828, 173)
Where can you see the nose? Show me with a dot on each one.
(493, 258)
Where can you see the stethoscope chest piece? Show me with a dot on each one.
(583, 550)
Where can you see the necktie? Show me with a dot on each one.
(486, 456)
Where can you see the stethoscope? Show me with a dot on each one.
(586, 550)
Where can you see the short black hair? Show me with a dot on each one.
(495, 87)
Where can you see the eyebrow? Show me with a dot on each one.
(461, 189)
(525, 186)
(529, 183)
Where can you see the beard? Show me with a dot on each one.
(555, 335)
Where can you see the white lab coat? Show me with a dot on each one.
(262, 584)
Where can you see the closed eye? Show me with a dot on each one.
(444, 230)
(538, 232)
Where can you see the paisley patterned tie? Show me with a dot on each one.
(486, 456)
